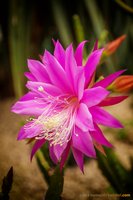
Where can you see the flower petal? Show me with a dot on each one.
(75, 74)
(38, 70)
(79, 82)
(21, 133)
(29, 107)
(91, 64)
(79, 158)
(52, 154)
(83, 142)
(94, 96)
(79, 53)
(56, 72)
(98, 136)
(28, 96)
(95, 46)
(109, 101)
(38, 144)
(84, 118)
(71, 66)
(30, 76)
(54, 41)
(58, 150)
(102, 117)
(59, 53)
(43, 88)
(29, 131)
(65, 155)
(109, 79)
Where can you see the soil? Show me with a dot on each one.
(28, 182)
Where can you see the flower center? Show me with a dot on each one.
(57, 120)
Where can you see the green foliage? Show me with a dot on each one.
(18, 43)
(120, 178)
(43, 165)
(125, 6)
(52, 175)
(78, 27)
(6, 185)
(61, 22)
(122, 135)
(56, 185)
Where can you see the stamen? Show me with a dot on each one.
(58, 128)
(57, 120)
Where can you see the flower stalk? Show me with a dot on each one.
(56, 185)
(120, 178)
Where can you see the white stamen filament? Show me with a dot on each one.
(57, 128)
(57, 120)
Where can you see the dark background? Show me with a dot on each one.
(27, 28)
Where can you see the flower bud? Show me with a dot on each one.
(111, 47)
(122, 84)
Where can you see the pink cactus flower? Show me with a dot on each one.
(66, 107)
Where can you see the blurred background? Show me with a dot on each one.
(27, 28)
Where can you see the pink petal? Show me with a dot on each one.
(59, 53)
(95, 46)
(84, 118)
(98, 136)
(91, 65)
(65, 155)
(30, 107)
(79, 82)
(21, 133)
(79, 158)
(38, 144)
(75, 74)
(109, 101)
(38, 70)
(71, 66)
(58, 150)
(45, 87)
(56, 72)
(54, 41)
(83, 142)
(26, 132)
(28, 96)
(52, 154)
(79, 53)
(30, 76)
(102, 117)
(109, 79)
(94, 96)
